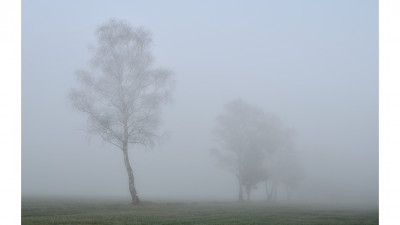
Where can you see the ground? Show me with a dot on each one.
(61, 211)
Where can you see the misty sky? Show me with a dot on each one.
(312, 63)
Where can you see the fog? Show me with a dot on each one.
(314, 64)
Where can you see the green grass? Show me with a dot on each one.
(79, 212)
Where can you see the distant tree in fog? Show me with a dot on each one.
(289, 171)
(122, 93)
(283, 169)
(253, 170)
(247, 136)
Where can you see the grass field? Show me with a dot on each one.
(42, 211)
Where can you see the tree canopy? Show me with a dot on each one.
(123, 92)
(248, 138)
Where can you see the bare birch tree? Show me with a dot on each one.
(122, 93)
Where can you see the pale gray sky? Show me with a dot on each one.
(312, 63)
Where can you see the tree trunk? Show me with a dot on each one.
(248, 191)
(132, 189)
(240, 193)
(274, 192)
(269, 192)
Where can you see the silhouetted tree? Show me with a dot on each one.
(122, 93)
(291, 172)
(253, 170)
(246, 136)
(283, 169)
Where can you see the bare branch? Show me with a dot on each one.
(122, 91)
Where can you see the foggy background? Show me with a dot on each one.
(312, 63)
